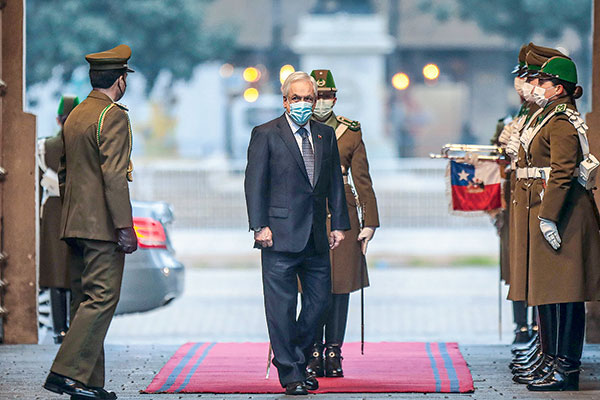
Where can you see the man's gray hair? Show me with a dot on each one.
(298, 76)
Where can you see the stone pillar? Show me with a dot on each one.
(18, 189)
(353, 47)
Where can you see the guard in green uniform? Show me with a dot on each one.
(536, 57)
(54, 272)
(563, 235)
(348, 264)
(96, 222)
(505, 128)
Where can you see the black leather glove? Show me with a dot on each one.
(127, 240)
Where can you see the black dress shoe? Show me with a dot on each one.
(527, 346)
(314, 366)
(61, 384)
(543, 369)
(102, 392)
(333, 362)
(311, 383)
(295, 389)
(557, 380)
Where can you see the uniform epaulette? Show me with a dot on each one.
(122, 107)
(352, 125)
(561, 108)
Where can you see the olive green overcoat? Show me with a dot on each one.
(54, 271)
(348, 264)
(571, 273)
(94, 184)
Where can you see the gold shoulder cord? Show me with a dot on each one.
(101, 124)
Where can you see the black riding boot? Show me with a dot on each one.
(335, 330)
(520, 320)
(565, 374)
(59, 304)
(539, 367)
(520, 349)
(532, 355)
(534, 320)
(314, 366)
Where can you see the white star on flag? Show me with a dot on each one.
(463, 175)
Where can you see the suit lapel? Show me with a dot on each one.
(318, 149)
(288, 138)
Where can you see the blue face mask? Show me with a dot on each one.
(301, 112)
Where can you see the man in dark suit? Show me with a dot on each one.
(293, 174)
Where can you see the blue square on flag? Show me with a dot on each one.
(475, 187)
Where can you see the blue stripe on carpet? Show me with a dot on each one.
(454, 385)
(436, 373)
(195, 367)
(175, 373)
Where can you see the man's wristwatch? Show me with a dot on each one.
(258, 229)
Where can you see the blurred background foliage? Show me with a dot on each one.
(164, 35)
(518, 20)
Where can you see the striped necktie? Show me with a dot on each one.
(307, 155)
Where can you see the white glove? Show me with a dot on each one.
(550, 232)
(512, 148)
(365, 235)
(505, 135)
(49, 182)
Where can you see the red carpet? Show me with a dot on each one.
(386, 367)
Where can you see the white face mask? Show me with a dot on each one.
(527, 92)
(323, 108)
(519, 85)
(539, 96)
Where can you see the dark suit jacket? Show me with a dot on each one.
(93, 171)
(279, 194)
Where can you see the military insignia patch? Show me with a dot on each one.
(321, 82)
(561, 108)
(353, 125)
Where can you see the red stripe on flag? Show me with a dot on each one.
(464, 198)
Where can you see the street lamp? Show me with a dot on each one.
(431, 72)
(400, 81)
(285, 71)
(251, 74)
(251, 94)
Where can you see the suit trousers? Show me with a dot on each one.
(291, 337)
(96, 273)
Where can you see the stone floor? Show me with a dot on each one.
(437, 303)
(130, 368)
(449, 303)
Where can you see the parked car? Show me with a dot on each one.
(152, 276)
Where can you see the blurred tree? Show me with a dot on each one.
(164, 35)
(519, 20)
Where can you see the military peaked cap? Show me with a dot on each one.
(67, 104)
(324, 79)
(110, 59)
(547, 52)
(520, 67)
(559, 67)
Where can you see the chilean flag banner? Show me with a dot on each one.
(475, 187)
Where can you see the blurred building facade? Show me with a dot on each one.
(365, 43)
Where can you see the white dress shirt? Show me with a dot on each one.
(294, 126)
